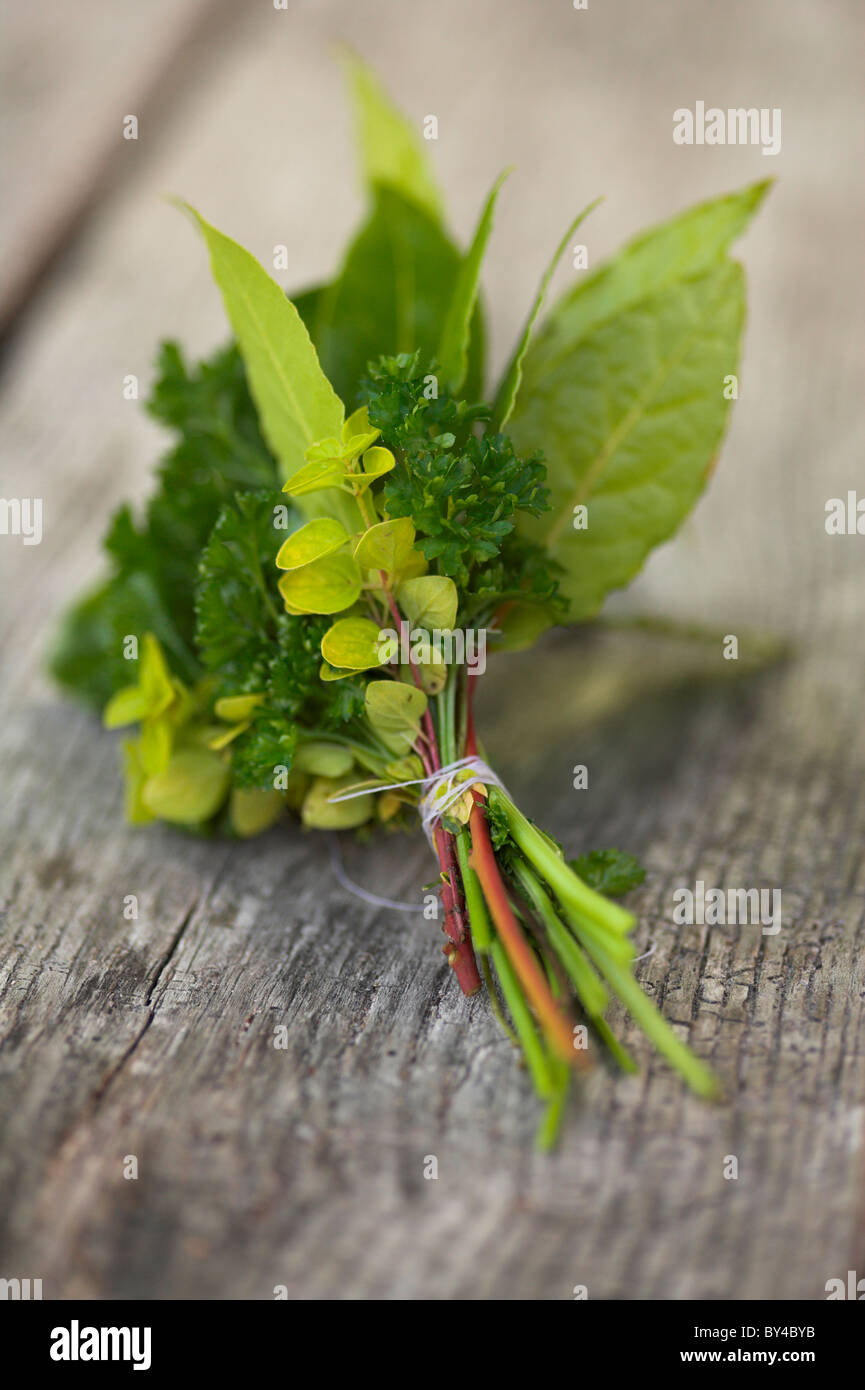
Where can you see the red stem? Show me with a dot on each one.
(458, 949)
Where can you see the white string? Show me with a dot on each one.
(441, 789)
(645, 956)
(373, 899)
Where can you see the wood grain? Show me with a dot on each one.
(153, 1037)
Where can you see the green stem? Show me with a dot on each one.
(482, 934)
(536, 1058)
(568, 888)
(548, 1132)
(592, 993)
(494, 1003)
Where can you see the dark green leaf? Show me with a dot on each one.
(453, 350)
(237, 603)
(257, 754)
(392, 295)
(154, 562)
(609, 871)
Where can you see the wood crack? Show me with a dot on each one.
(163, 964)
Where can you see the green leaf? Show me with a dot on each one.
(251, 811)
(430, 602)
(390, 149)
(232, 708)
(126, 706)
(395, 709)
(454, 344)
(377, 462)
(311, 542)
(333, 673)
(323, 759)
(357, 426)
(680, 249)
(316, 476)
(609, 871)
(510, 383)
(386, 546)
(192, 788)
(392, 295)
(320, 813)
(236, 604)
(521, 624)
(154, 562)
(135, 779)
(352, 644)
(430, 666)
(267, 745)
(630, 421)
(151, 696)
(326, 586)
(296, 403)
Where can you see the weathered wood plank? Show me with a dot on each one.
(254, 1157)
(70, 77)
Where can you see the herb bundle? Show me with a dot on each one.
(344, 518)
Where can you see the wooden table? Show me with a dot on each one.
(153, 1038)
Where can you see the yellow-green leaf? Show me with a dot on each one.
(191, 789)
(313, 541)
(317, 476)
(408, 769)
(323, 759)
(395, 709)
(332, 450)
(126, 706)
(333, 673)
(386, 546)
(135, 777)
(156, 679)
(432, 670)
(155, 744)
(224, 737)
(252, 811)
(416, 564)
(430, 602)
(357, 426)
(234, 707)
(155, 691)
(354, 644)
(326, 586)
(377, 461)
(296, 403)
(320, 813)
